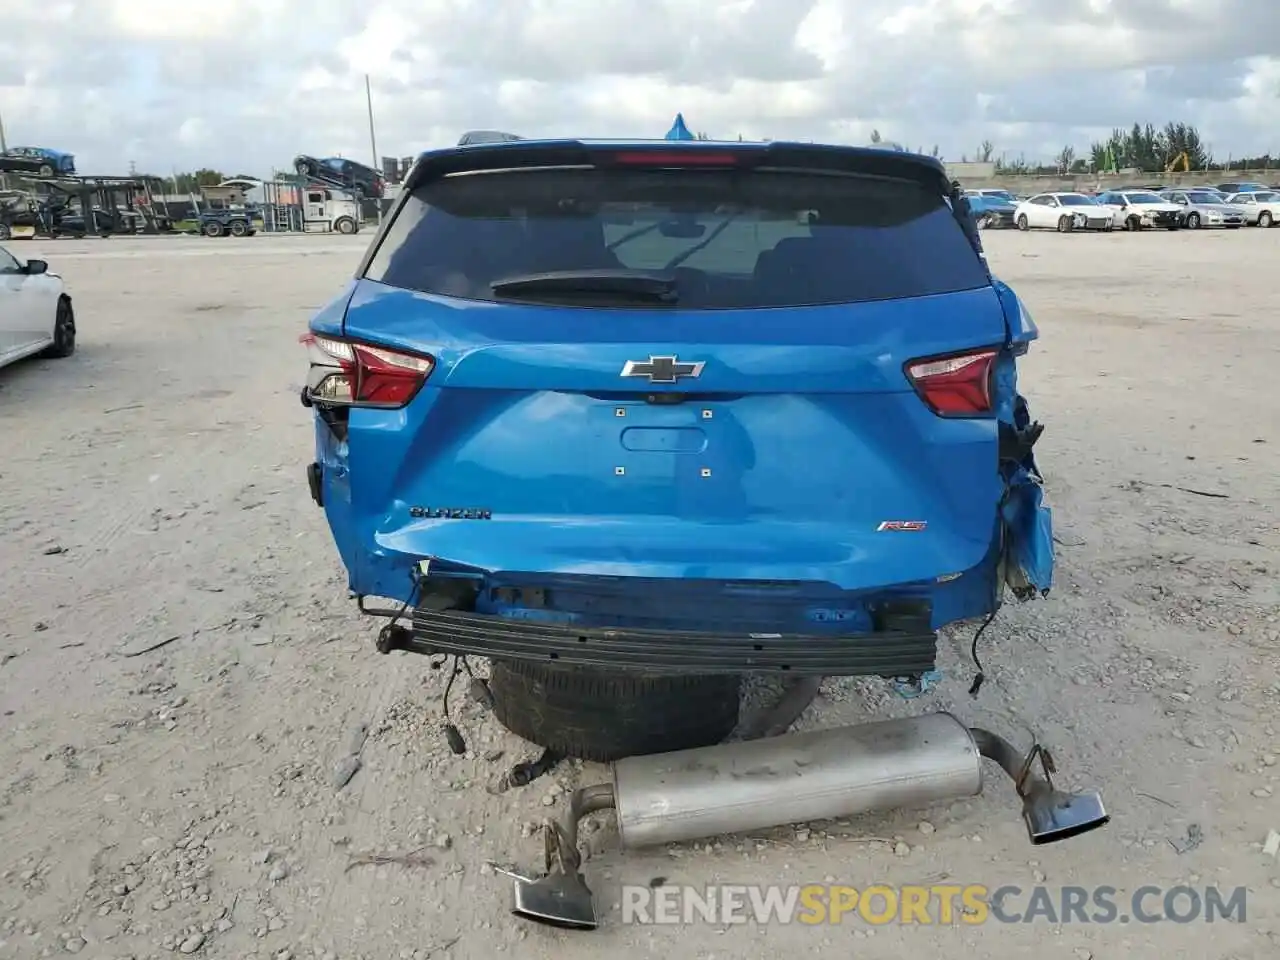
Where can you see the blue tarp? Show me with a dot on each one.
(679, 131)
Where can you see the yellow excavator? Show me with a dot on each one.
(1180, 161)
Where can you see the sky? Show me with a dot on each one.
(243, 86)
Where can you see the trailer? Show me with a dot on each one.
(82, 205)
(227, 222)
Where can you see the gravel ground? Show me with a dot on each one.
(181, 800)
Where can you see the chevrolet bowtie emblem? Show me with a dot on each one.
(662, 369)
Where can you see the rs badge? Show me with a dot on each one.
(900, 526)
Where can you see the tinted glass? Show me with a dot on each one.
(1076, 200)
(730, 240)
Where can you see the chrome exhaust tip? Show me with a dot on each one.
(1052, 815)
(558, 900)
(1049, 813)
(561, 897)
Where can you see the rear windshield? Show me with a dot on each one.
(727, 240)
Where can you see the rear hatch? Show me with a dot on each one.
(724, 362)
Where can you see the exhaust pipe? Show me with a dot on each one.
(821, 775)
(1050, 814)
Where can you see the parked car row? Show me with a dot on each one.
(1132, 209)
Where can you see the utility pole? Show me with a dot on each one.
(4, 148)
(373, 140)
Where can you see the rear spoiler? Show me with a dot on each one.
(514, 154)
(517, 154)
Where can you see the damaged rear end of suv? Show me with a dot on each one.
(634, 420)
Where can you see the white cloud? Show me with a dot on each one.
(822, 33)
(162, 20)
(385, 33)
(194, 132)
(1260, 105)
(243, 85)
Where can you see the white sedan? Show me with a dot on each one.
(35, 311)
(1260, 209)
(1064, 212)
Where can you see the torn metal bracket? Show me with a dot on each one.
(560, 855)
(1047, 767)
(385, 612)
(1016, 443)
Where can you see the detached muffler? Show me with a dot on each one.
(822, 775)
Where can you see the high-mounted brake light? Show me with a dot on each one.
(955, 386)
(676, 158)
(348, 373)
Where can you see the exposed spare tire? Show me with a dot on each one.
(603, 716)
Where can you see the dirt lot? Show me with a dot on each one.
(182, 799)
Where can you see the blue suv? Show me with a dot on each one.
(634, 419)
(40, 161)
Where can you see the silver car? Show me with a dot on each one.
(1204, 208)
(1260, 209)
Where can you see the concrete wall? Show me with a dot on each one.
(1091, 181)
(964, 172)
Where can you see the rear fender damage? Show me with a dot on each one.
(1026, 520)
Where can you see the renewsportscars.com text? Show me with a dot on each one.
(938, 904)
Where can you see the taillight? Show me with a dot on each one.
(347, 373)
(677, 158)
(958, 385)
